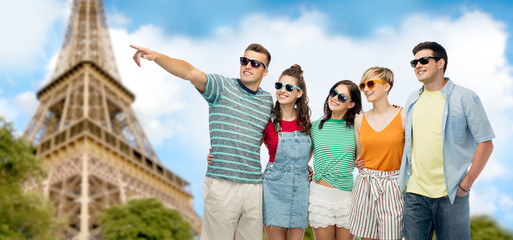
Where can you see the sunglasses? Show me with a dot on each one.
(288, 87)
(422, 60)
(254, 63)
(341, 97)
(370, 84)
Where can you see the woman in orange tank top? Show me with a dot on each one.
(377, 211)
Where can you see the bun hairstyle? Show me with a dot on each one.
(303, 110)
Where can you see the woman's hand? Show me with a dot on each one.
(359, 163)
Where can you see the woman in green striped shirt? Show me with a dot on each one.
(334, 154)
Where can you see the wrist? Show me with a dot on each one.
(463, 188)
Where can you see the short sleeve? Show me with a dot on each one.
(214, 87)
(477, 120)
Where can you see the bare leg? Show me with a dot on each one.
(344, 234)
(295, 233)
(327, 233)
(275, 233)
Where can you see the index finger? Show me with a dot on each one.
(135, 47)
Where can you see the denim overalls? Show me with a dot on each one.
(285, 184)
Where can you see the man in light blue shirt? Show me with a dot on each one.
(441, 143)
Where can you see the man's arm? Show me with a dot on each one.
(176, 67)
(481, 156)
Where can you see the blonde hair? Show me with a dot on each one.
(382, 73)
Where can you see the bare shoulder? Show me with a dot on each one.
(358, 120)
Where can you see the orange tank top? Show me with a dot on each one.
(382, 150)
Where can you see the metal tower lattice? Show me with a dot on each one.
(90, 139)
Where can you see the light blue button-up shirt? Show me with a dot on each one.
(464, 124)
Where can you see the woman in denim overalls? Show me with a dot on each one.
(285, 182)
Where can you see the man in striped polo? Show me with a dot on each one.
(239, 110)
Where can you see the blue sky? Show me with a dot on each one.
(331, 40)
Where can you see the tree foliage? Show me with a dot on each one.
(485, 228)
(23, 215)
(145, 218)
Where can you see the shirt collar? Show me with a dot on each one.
(446, 91)
(246, 88)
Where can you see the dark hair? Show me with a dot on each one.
(255, 47)
(351, 113)
(304, 112)
(438, 50)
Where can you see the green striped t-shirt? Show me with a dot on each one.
(334, 153)
(237, 119)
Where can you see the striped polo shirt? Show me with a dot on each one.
(237, 119)
(334, 153)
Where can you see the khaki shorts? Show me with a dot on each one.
(232, 210)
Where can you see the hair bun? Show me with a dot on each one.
(297, 67)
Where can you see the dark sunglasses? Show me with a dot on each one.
(341, 97)
(254, 63)
(422, 60)
(288, 87)
(370, 84)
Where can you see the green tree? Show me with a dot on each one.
(23, 215)
(485, 228)
(145, 218)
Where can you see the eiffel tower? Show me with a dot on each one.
(89, 138)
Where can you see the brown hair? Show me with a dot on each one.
(255, 47)
(351, 113)
(304, 112)
(438, 50)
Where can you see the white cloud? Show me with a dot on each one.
(494, 169)
(118, 19)
(24, 38)
(7, 111)
(27, 102)
(474, 59)
(505, 202)
(483, 201)
(476, 44)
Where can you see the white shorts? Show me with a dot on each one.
(378, 205)
(329, 206)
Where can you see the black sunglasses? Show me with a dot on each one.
(254, 63)
(341, 97)
(422, 60)
(288, 87)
